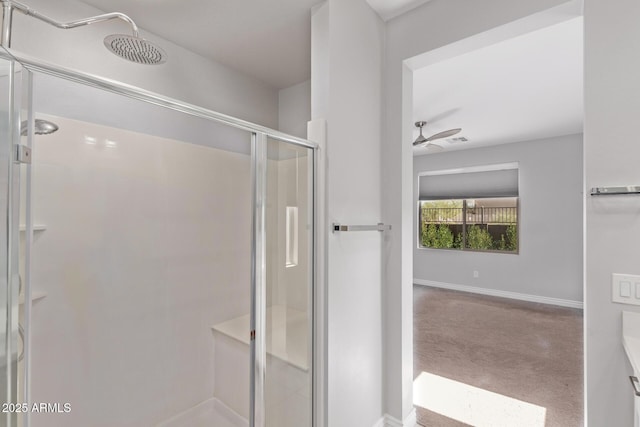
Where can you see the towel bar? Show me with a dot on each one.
(612, 191)
(378, 227)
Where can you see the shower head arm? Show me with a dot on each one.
(72, 24)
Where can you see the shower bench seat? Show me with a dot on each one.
(287, 371)
(286, 334)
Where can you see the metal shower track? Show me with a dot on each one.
(37, 65)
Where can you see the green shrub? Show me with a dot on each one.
(428, 235)
(437, 236)
(457, 243)
(440, 236)
(512, 238)
(444, 236)
(478, 238)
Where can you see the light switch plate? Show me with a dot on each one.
(625, 288)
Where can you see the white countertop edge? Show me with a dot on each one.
(632, 348)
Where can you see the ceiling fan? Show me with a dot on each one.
(430, 145)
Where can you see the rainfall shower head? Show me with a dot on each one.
(135, 49)
(131, 47)
(41, 127)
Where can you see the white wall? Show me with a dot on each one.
(346, 91)
(424, 29)
(147, 246)
(549, 262)
(294, 109)
(612, 104)
(186, 76)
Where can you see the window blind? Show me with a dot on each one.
(495, 183)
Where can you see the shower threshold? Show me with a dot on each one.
(209, 413)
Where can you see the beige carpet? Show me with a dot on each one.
(526, 351)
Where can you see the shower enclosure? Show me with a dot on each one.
(157, 260)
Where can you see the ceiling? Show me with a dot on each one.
(269, 40)
(388, 9)
(525, 88)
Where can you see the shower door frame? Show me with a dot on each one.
(260, 134)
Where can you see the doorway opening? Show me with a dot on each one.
(498, 311)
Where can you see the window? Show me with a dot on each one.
(472, 209)
(483, 224)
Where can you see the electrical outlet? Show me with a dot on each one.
(476, 274)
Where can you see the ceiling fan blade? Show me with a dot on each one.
(434, 148)
(445, 134)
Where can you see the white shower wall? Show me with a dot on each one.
(147, 245)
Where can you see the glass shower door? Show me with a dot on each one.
(288, 284)
(10, 94)
(140, 264)
(139, 249)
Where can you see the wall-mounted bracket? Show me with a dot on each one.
(23, 154)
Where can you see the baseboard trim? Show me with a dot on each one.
(502, 294)
(412, 419)
(389, 421)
